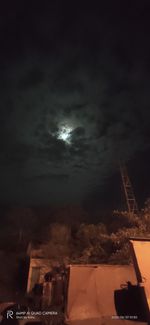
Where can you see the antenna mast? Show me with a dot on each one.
(129, 193)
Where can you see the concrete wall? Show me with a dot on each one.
(43, 264)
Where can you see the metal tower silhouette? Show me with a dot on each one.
(129, 193)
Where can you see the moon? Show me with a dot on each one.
(64, 134)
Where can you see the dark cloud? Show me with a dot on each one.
(34, 77)
(49, 177)
(87, 70)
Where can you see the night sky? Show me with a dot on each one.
(75, 99)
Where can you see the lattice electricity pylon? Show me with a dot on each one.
(129, 193)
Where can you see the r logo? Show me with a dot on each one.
(10, 314)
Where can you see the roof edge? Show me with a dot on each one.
(139, 238)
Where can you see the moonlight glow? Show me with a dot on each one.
(65, 134)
